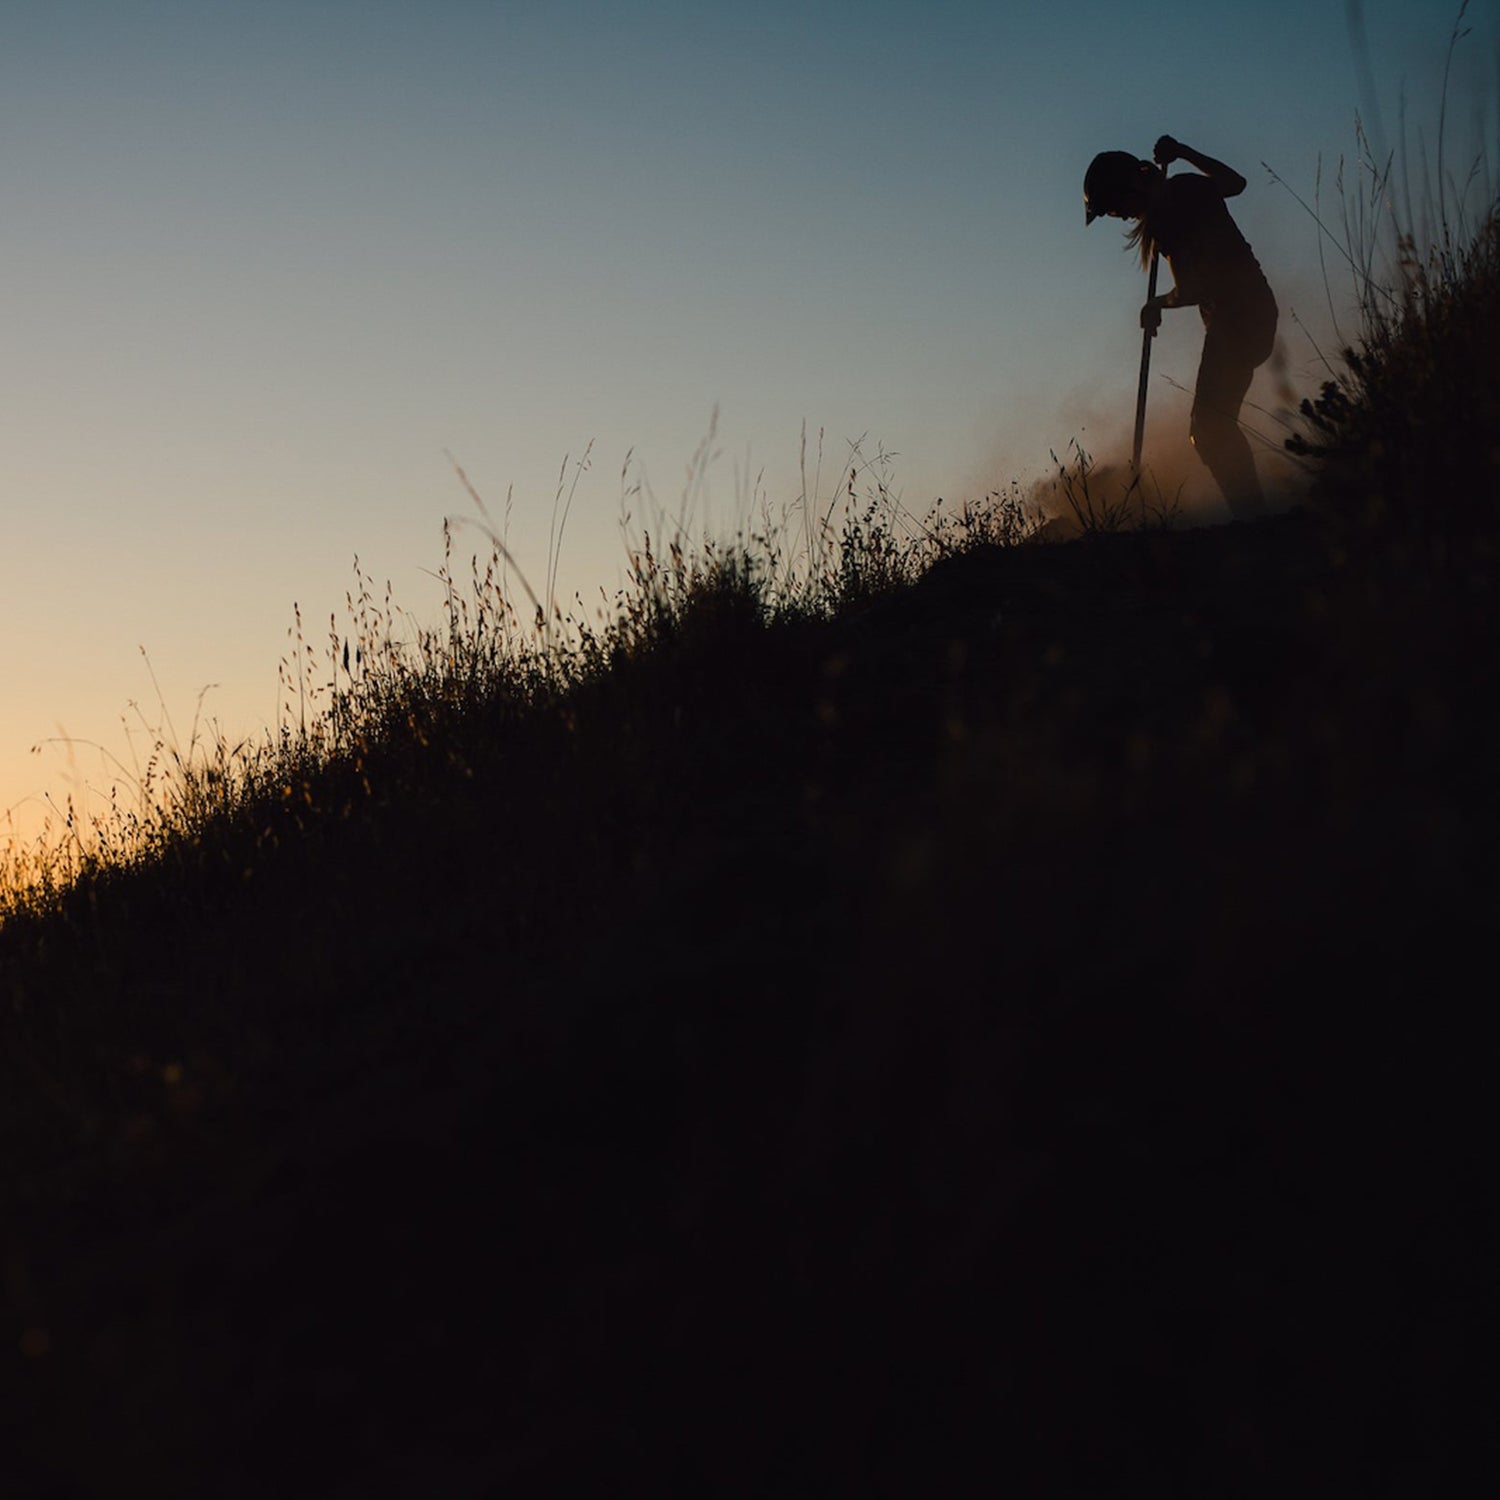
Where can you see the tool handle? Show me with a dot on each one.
(1140, 395)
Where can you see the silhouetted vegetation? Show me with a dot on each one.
(1403, 430)
(898, 1004)
(1405, 434)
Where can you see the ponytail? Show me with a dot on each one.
(1143, 238)
(1142, 235)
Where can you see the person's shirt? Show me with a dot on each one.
(1212, 263)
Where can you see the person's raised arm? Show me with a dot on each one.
(1226, 179)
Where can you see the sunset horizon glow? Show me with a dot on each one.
(271, 270)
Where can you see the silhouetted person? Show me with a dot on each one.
(1214, 270)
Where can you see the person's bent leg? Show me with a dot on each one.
(1224, 448)
(1223, 381)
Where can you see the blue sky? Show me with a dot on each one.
(263, 263)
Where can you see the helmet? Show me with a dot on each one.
(1109, 179)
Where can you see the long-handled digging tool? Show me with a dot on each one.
(1122, 186)
(1140, 395)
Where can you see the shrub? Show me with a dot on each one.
(1409, 434)
(1406, 434)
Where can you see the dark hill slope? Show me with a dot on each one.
(1028, 1035)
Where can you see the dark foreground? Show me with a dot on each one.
(1032, 1038)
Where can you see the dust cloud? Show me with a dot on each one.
(1088, 480)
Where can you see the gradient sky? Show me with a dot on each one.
(263, 262)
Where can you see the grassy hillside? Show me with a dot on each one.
(1003, 1011)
